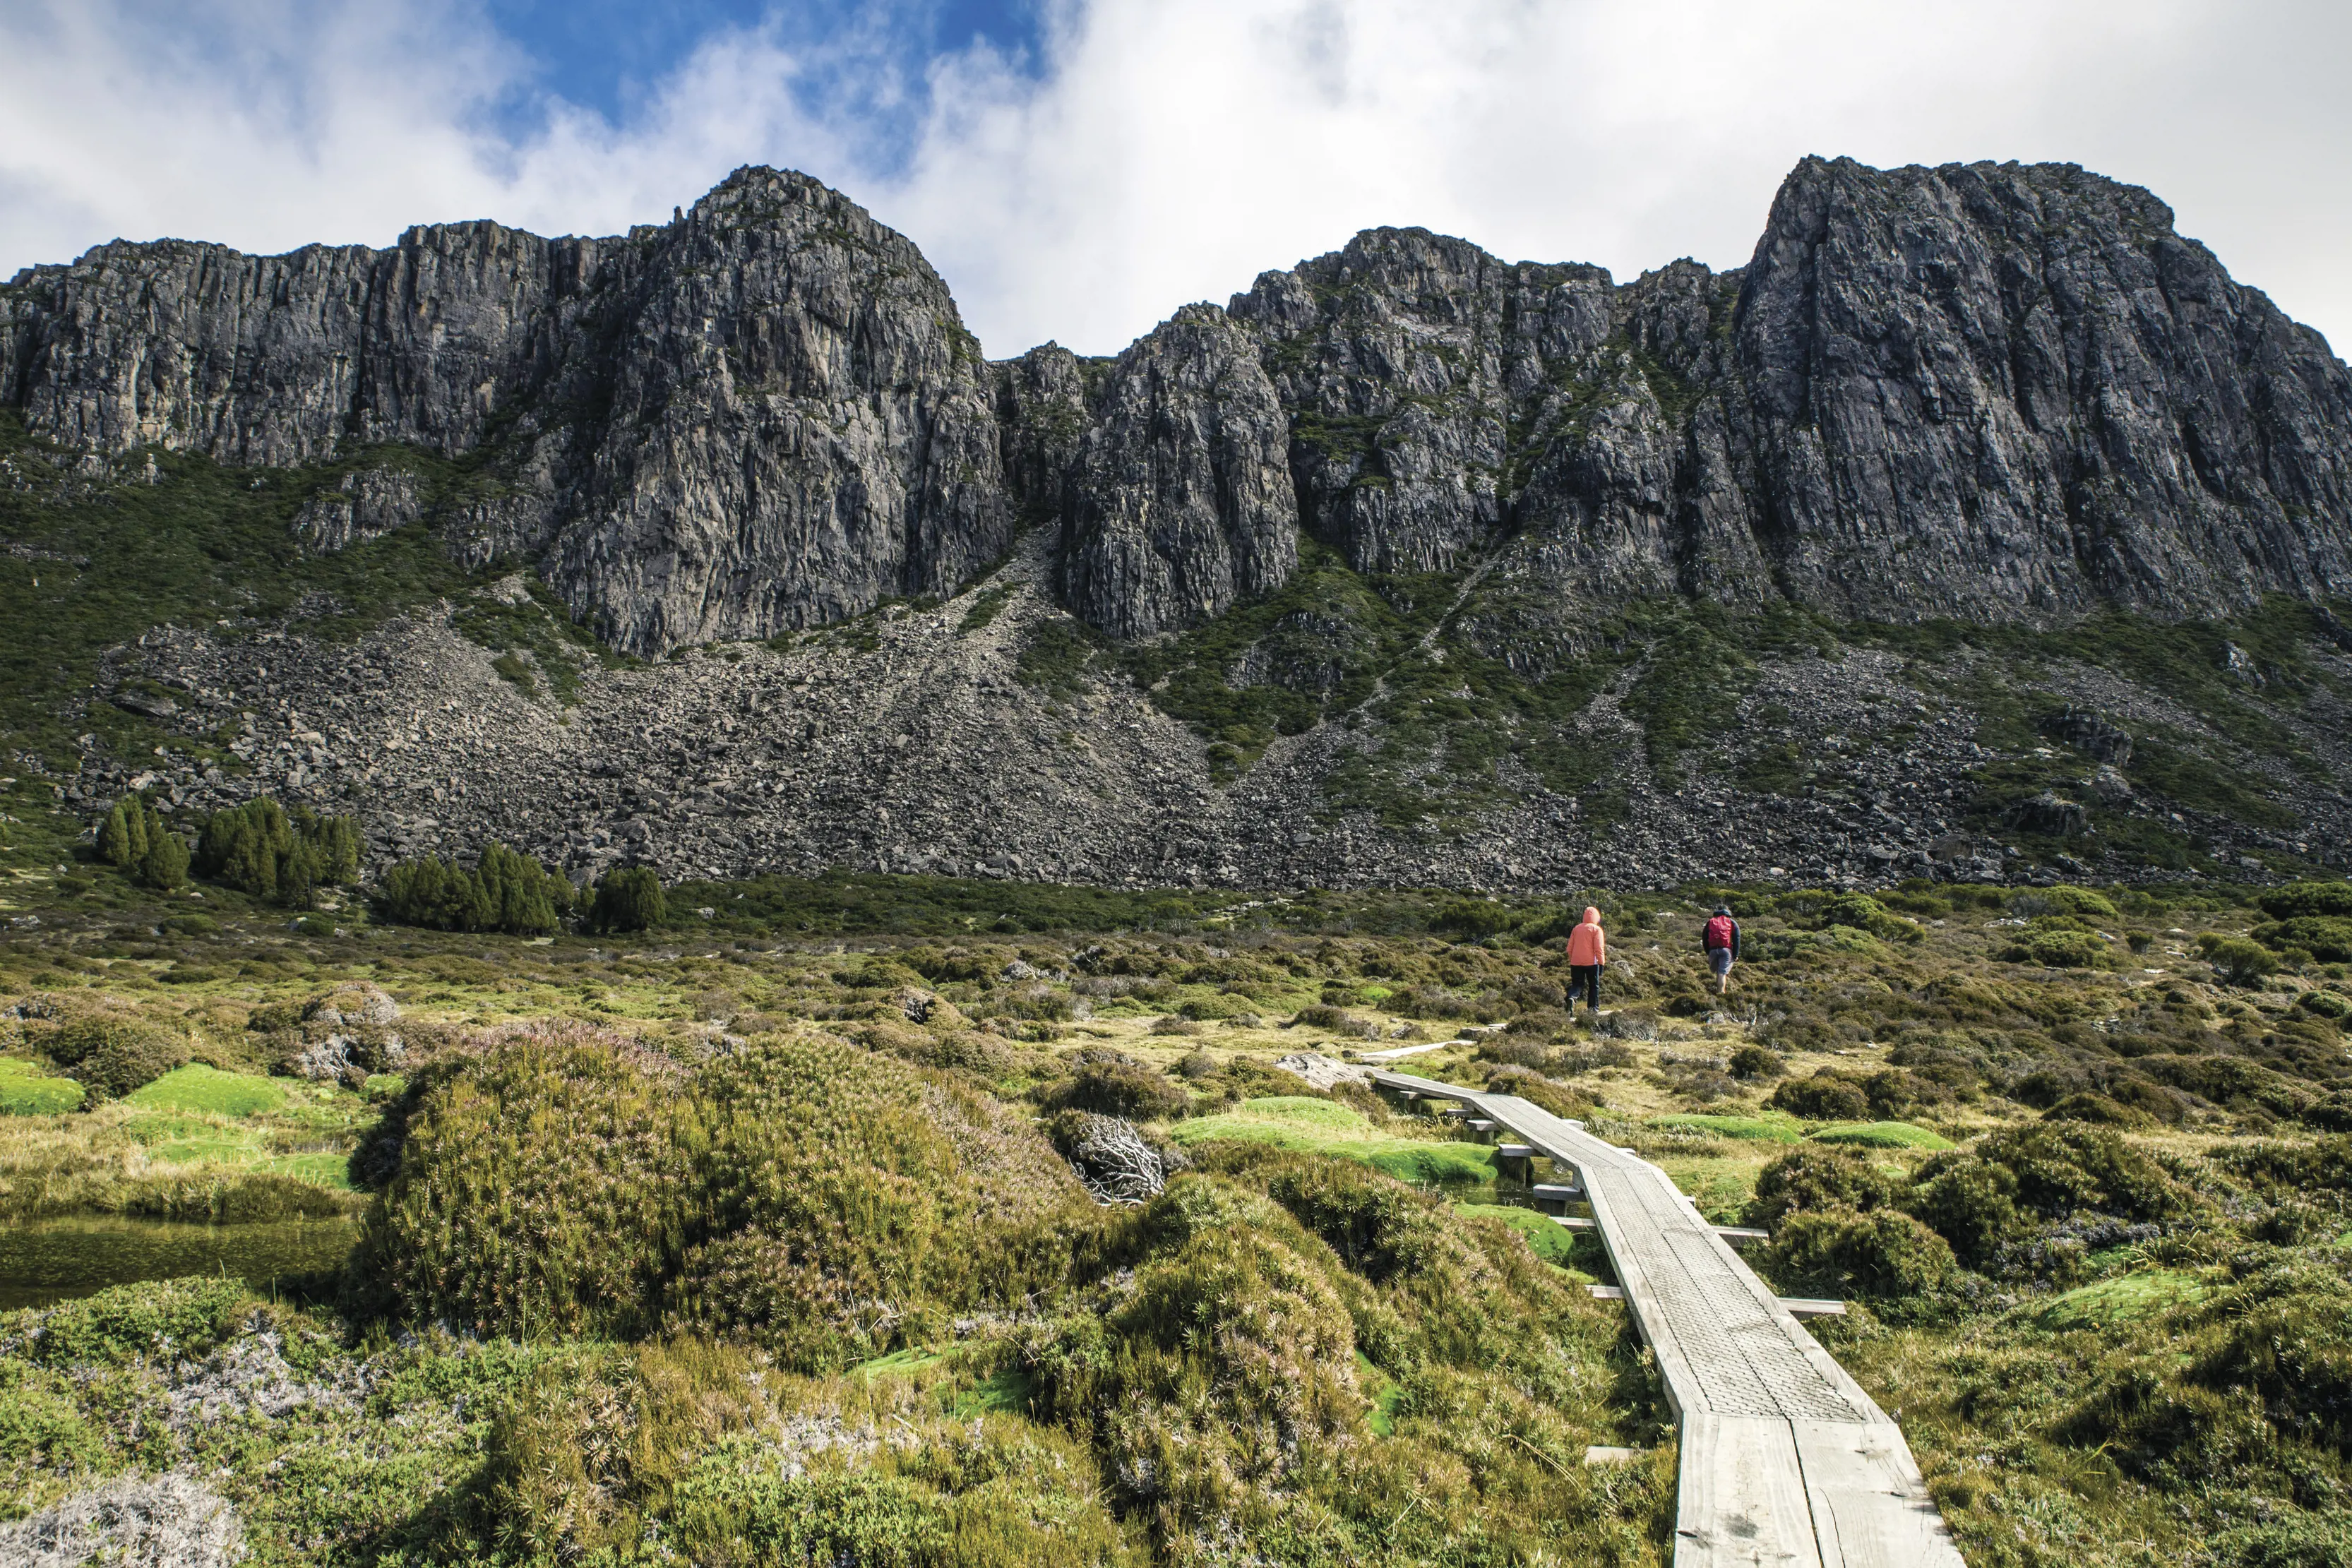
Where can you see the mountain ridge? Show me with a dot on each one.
(1405, 564)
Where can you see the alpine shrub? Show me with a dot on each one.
(2239, 961)
(1824, 1097)
(2326, 937)
(109, 1057)
(628, 898)
(1883, 1253)
(133, 839)
(1818, 1178)
(262, 849)
(2303, 900)
(505, 892)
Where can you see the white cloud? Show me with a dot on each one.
(1159, 153)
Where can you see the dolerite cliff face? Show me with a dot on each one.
(2020, 385)
(766, 414)
(2017, 382)
(2015, 385)
(1411, 564)
(1178, 501)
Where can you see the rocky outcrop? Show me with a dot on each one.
(2023, 386)
(1180, 500)
(763, 416)
(2017, 381)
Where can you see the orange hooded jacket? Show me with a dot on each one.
(1586, 944)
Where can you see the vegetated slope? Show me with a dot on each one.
(769, 1260)
(1449, 569)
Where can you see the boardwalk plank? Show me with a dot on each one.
(1868, 1503)
(1740, 1501)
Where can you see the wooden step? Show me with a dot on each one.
(1515, 1150)
(1808, 1307)
(1741, 1235)
(1555, 1192)
(1576, 1222)
(1607, 1293)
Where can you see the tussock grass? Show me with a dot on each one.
(1880, 1135)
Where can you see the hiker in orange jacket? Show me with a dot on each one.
(1588, 955)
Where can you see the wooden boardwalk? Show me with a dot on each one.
(1786, 1462)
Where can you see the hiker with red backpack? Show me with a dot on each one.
(1588, 955)
(1720, 938)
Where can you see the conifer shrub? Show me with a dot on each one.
(814, 1198)
(1750, 1062)
(110, 1056)
(627, 898)
(505, 892)
(285, 857)
(1824, 1097)
(132, 838)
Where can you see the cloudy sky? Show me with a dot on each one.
(1077, 168)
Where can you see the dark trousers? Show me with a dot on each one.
(1584, 979)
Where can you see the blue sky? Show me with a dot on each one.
(1079, 168)
(613, 55)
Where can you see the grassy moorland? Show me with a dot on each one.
(754, 1238)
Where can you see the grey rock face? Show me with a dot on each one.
(366, 505)
(1179, 499)
(1989, 391)
(764, 415)
(800, 427)
(1044, 412)
(2019, 384)
(2015, 382)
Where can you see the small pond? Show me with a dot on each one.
(46, 1260)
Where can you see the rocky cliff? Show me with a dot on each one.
(2017, 381)
(763, 416)
(1408, 564)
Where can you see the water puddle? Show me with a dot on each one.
(47, 1260)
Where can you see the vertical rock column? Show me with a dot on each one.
(1179, 500)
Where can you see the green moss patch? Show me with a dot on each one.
(1769, 1129)
(2112, 1302)
(1407, 1159)
(1303, 1110)
(197, 1087)
(23, 1093)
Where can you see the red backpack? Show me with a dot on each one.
(1719, 931)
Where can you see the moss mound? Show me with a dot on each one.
(197, 1087)
(26, 1093)
(827, 1202)
(1763, 1129)
(1280, 1310)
